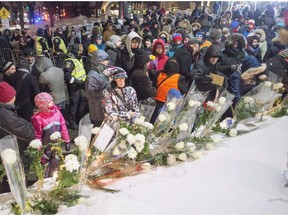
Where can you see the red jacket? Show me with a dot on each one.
(160, 59)
(46, 123)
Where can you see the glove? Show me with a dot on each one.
(233, 67)
(67, 146)
(204, 83)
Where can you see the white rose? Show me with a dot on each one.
(132, 153)
(222, 100)
(191, 103)
(55, 136)
(82, 142)
(116, 152)
(223, 124)
(81, 200)
(130, 138)
(171, 106)
(216, 139)
(36, 143)
(139, 138)
(162, 118)
(70, 157)
(148, 125)
(233, 133)
(218, 108)
(9, 156)
(210, 104)
(192, 146)
(146, 166)
(171, 159)
(62, 208)
(123, 131)
(179, 145)
(263, 77)
(277, 86)
(139, 121)
(183, 127)
(182, 157)
(196, 154)
(197, 104)
(96, 130)
(267, 83)
(209, 146)
(71, 163)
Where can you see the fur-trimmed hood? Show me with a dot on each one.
(238, 37)
(248, 75)
(196, 25)
(167, 35)
(261, 33)
(184, 23)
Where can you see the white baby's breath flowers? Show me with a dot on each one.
(36, 143)
(233, 133)
(196, 154)
(140, 120)
(179, 145)
(146, 166)
(171, 159)
(210, 104)
(209, 146)
(123, 131)
(171, 106)
(116, 152)
(148, 125)
(222, 100)
(82, 142)
(9, 156)
(55, 136)
(132, 153)
(71, 163)
(263, 77)
(218, 108)
(130, 138)
(139, 138)
(162, 117)
(139, 146)
(96, 130)
(267, 83)
(182, 157)
(183, 127)
(277, 86)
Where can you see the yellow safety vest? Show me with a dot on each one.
(79, 71)
(38, 46)
(62, 44)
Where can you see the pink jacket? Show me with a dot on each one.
(46, 123)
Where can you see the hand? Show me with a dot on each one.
(132, 114)
(234, 67)
(67, 146)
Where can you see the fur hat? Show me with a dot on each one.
(7, 92)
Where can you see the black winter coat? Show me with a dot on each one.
(112, 52)
(124, 60)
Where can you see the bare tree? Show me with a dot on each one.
(21, 14)
(31, 8)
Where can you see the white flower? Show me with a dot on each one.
(139, 146)
(123, 131)
(36, 143)
(218, 108)
(210, 104)
(182, 157)
(116, 152)
(55, 136)
(191, 146)
(267, 83)
(62, 208)
(96, 130)
(179, 145)
(71, 163)
(171, 159)
(70, 157)
(82, 142)
(130, 138)
(171, 106)
(81, 200)
(223, 124)
(263, 77)
(233, 133)
(122, 144)
(139, 121)
(183, 127)
(196, 154)
(198, 104)
(146, 166)
(148, 125)
(209, 146)
(9, 156)
(216, 139)
(192, 103)
(132, 153)
(139, 138)
(162, 118)
(277, 86)
(222, 100)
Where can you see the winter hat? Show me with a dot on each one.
(172, 66)
(193, 41)
(181, 31)
(114, 39)
(198, 34)
(40, 31)
(6, 66)
(176, 37)
(98, 36)
(215, 34)
(141, 58)
(284, 53)
(42, 100)
(92, 48)
(75, 48)
(28, 52)
(251, 25)
(99, 56)
(118, 73)
(225, 30)
(23, 65)
(7, 92)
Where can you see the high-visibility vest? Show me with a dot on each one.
(62, 44)
(79, 71)
(165, 86)
(38, 46)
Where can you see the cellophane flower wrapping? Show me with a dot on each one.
(147, 107)
(14, 169)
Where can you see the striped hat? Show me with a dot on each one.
(7, 65)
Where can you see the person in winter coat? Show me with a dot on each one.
(8, 68)
(30, 42)
(262, 43)
(252, 46)
(147, 44)
(41, 44)
(7, 37)
(47, 120)
(154, 29)
(99, 42)
(214, 38)
(125, 58)
(3, 42)
(140, 78)
(113, 47)
(168, 79)
(177, 43)
(87, 63)
(108, 33)
(51, 79)
(158, 51)
(85, 41)
(95, 83)
(73, 39)
(27, 87)
(120, 100)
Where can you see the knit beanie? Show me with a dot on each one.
(92, 48)
(198, 34)
(40, 31)
(118, 73)
(6, 66)
(28, 52)
(141, 58)
(7, 92)
(42, 101)
(23, 65)
(177, 37)
(284, 53)
(172, 66)
(114, 39)
(251, 25)
(215, 34)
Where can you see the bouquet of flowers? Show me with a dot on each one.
(14, 169)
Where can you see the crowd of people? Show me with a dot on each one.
(109, 70)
